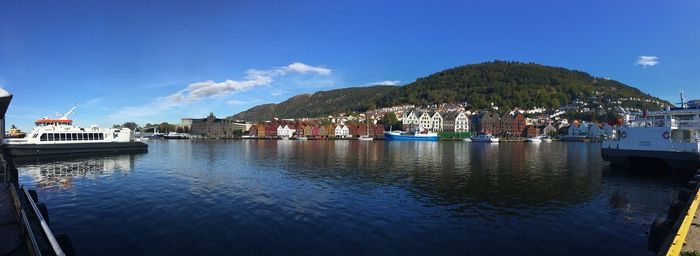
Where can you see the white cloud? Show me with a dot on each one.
(647, 61)
(254, 78)
(385, 82)
(198, 91)
(303, 68)
(240, 102)
(278, 92)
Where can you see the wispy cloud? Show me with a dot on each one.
(278, 92)
(385, 82)
(240, 102)
(647, 61)
(199, 91)
(254, 78)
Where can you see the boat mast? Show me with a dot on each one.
(65, 116)
(367, 125)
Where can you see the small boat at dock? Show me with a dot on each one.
(535, 139)
(175, 136)
(484, 138)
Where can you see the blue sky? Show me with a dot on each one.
(153, 61)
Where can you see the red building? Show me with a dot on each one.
(270, 130)
(530, 131)
(315, 131)
(518, 126)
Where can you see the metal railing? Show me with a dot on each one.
(45, 230)
(44, 226)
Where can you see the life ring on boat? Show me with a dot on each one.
(666, 135)
(623, 134)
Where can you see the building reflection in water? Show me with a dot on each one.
(49, 172)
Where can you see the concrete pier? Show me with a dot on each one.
(684, 234)
(11, 233)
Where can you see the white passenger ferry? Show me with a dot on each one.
(671, 135)
(53, 136)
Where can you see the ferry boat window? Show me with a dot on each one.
(50, 137)
(62, 136)
(90, 137)
(43, 137)
(102, 136)
(80, 136)
(74, 136)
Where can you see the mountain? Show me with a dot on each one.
(319, 104)
(505, 84)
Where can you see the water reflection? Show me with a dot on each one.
(510, 175)
(345, 196)
(61, 171)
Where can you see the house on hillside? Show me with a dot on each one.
(253, 131)
(410, 120)
(461, 122)
(424, 121)
(518, 127)
(507, 125)
(448, 121)
(330, 130)
(549, 129)
(436, 122)
(270, 130)
(283, 130)
(573, 130)
(342, 131)
(322, 132)
(530, 131)
(261, 130)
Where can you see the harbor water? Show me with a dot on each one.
(214, 197)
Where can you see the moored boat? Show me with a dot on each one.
(671, 136)
(484, 138)
(59, 136)
(535, 139)
(416, 136)
(175, 136)
(365, 138)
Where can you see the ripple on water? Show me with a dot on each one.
(331, 197)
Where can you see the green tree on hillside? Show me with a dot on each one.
(390, 121)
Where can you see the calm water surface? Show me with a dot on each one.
(349, 197)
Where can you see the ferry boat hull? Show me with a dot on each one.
(400, 137)
(18, 150)
(677, 161)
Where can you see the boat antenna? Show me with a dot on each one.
(682, 100)
(65, 116)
